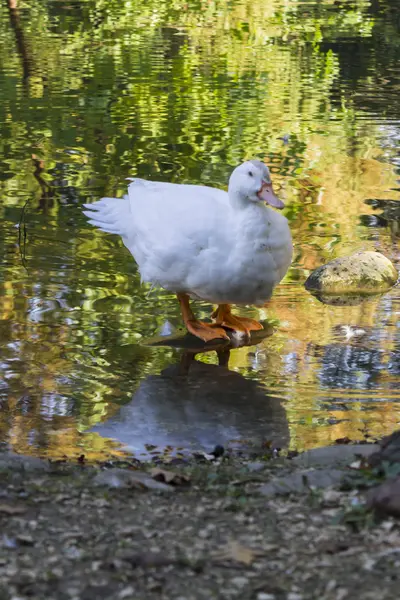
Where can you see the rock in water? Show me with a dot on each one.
(362, 272)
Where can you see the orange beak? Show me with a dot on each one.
(267, 194)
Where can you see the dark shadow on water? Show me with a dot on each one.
(195, 406)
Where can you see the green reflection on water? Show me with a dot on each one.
(96, 91)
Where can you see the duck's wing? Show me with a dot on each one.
(168, 207)
(189, 192)
(166, 227)
(173, 225)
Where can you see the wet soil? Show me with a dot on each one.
(211, 533)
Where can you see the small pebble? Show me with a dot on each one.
(54, 573)
(264, 596)
(128, 592)
(255, 466)
(73, 552)
(330, 586)
(25, 540)
(240, 582)
(331, 498)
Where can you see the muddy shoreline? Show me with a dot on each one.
(212, 529)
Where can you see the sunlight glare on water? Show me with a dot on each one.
(92, 92)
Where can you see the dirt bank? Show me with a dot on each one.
(84, 532)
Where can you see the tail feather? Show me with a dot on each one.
(111, 215)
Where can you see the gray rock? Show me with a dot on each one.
(385, 499)
(302, 481)
(365, 272)
(122, 478)
(335, 456)
(388, 450)
(9, 461)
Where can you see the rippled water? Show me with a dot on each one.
(96, 91)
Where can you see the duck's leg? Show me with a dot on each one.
(223, 316)
(204, 331)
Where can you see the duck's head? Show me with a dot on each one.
(251, 182)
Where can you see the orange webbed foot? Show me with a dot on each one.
(225, 318)
(206, 331)
(249, 324)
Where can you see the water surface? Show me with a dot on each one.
(94, 91)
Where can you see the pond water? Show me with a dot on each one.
(94, 91)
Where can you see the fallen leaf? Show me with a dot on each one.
(157, 559)
(123, 478)
(292, 454)
(266, 444)
(245, 480)
(25, 540)
(343, 440)
(9, 509)
(169, 477)
(203, 456)
(236, 552)
(332, 547)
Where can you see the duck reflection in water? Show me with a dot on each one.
(194, 405)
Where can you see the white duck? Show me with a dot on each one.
(222, 247)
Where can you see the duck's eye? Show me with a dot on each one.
(250, 174)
